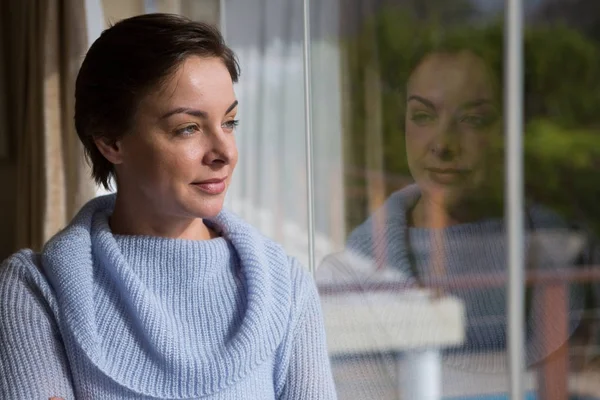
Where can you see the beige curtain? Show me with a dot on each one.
(4, 128)
(48, 42)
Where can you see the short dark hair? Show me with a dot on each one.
(124, 63)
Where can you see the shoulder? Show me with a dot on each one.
(305, 304)
(548, 222)
(302, 288)
(542, 217)
(391, 213)
(23, 285)
(303, 285)
(562, 237)
(22, 266)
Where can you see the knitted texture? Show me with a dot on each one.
(103, 316)
(472, 250)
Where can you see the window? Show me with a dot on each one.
(407, 102)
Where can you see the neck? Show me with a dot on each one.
(429, 213)
(130, 219)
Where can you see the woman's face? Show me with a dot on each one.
(452, 117)
(181, 153)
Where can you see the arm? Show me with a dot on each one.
(308, 375)
(33, 363)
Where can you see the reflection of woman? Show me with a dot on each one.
(448, 226)
(155, 292)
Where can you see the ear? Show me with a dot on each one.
(110, 149)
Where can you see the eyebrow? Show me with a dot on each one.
(421, 100)
(470, 104)
(477, 103)
(194, 112)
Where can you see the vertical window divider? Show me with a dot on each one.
(223, 19)
(308, 135)
(514, 194)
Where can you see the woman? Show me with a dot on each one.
(156, 292)
(448, 227)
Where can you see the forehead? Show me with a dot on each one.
(197, 82)
(452, 78)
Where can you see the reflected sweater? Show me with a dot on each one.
(396, 252)
(103, 316)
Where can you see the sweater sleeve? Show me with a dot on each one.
(33, 363)
(308, 374)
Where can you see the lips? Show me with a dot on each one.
(212, 186)
(448, 170)
(447, 176)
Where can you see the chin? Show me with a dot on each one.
(210, 212)
(449, 196)
(434, 189)
(204, 209)
(200, 205)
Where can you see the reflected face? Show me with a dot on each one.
(181, 153)
(452, 115)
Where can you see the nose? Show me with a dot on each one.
(222, 148)
(446, 143)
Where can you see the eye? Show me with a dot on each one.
(231, 125)
(477, 121)
(187, 130)
(422, 118)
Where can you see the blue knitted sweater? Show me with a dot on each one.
(386, 249)
(103, 316)
(473, 250)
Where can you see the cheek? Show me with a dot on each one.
(140, 161)
(480, 156)
(477, 147)
(182, 161)
(164, 165)
(232, 145)
(233, 153)
(416, 142)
